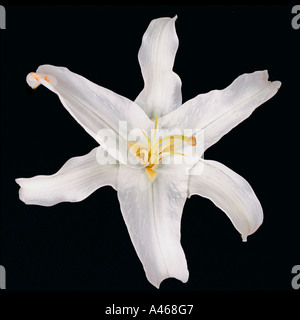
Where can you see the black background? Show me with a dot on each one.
(85, 245)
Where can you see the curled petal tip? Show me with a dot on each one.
(244, 238)
(278, 85)
(35, 79)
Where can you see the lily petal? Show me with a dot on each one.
(75, 181)
(152, 213)
(92, 106)
(219, 111)
(228, 191)
(162, 87)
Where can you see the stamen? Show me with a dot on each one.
(152, 154)
(135, 148)
(154, 136)
(148, 140)
(144, 156)
(192, 141)
(168, 144)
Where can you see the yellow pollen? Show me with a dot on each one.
(153, 153)
(37, 77)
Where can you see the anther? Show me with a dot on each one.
(192, 141)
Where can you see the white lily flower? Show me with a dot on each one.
(152, 194)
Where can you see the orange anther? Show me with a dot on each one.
(192, 141)
(35, 76)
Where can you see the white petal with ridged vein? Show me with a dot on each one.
(92, 106)
(75, 181)
(152, 213)
(219, 111)
(230, 192)
(162, 87)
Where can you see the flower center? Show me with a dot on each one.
(152, 154)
